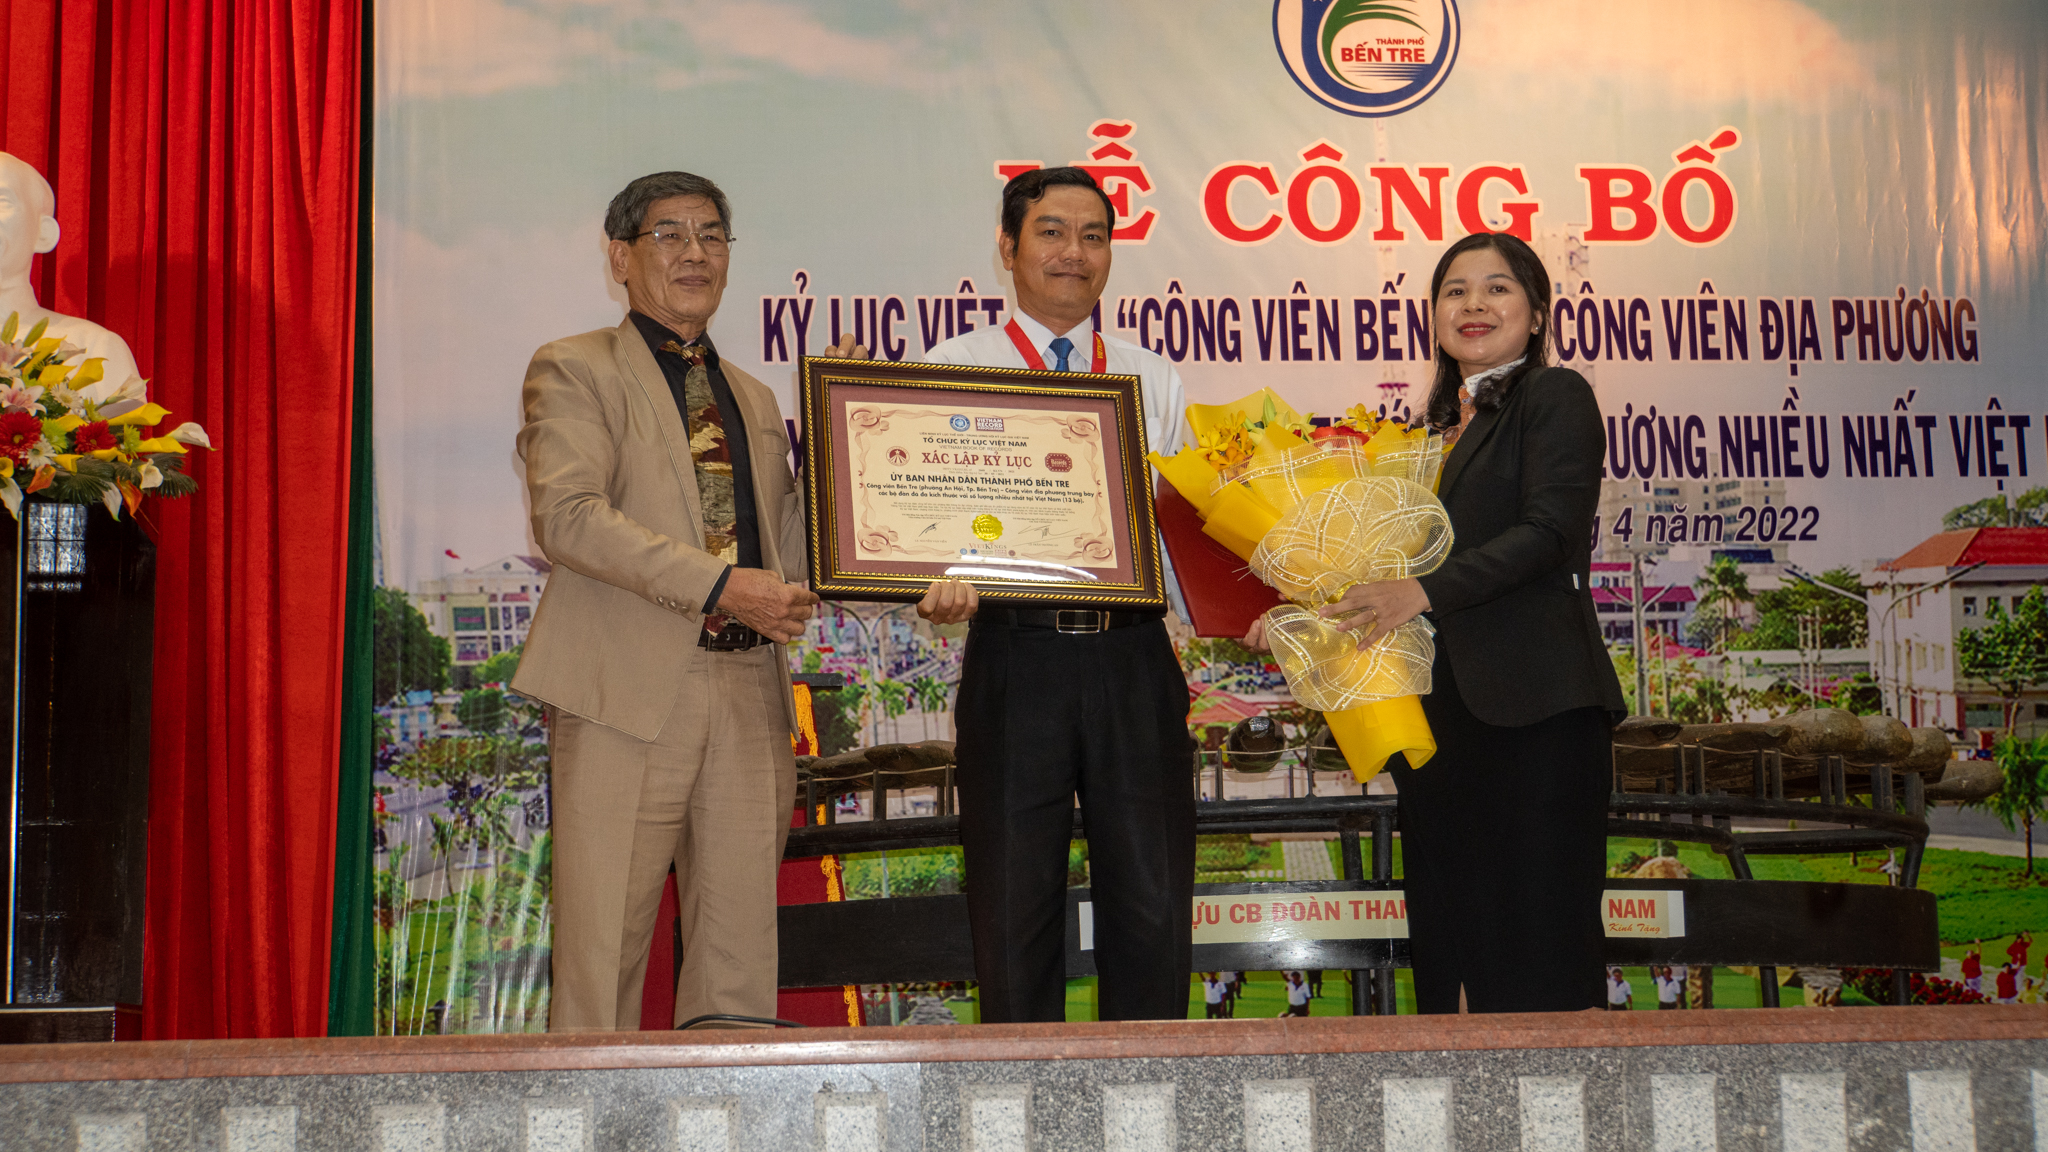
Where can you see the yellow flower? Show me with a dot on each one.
(148, 416)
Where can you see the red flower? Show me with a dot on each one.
(1335, 432)
(19, 432)
(93, 437)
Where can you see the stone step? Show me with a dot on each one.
(1799, 1111)
(1956, 1079)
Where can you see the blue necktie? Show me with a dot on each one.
(1060, 348)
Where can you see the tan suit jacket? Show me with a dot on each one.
(614, 504)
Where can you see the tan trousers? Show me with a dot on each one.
(712, 795)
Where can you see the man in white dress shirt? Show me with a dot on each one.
(1058, 704)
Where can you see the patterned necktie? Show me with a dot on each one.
(712, 455)
(1060, 348)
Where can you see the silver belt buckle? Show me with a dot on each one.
(1078, 621)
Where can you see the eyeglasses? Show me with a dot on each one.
(676, 238)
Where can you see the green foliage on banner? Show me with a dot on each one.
(1702, 701)
(1844, 623)
(2022, 796)
(1722, 591)
(1221, 650)
(483, 711)
(1228, 853)
(2009, 651)
(932, 694)
(838, 716)
(893, 696)
(463, 943)
(1988, 915)
(1859, 694)
(475, 959)
(2030, 510)
(499, 669)
(407, 656)
(911, 872)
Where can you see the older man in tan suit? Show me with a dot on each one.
(662, 492)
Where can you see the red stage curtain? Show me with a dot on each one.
(205, 155)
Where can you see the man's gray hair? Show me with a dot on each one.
(622, 220)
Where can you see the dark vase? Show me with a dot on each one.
(76, 616)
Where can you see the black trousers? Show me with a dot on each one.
(1044, 716)
(1504, 852)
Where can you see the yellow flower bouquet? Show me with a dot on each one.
(1314, 510)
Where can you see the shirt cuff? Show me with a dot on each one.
(717, 590)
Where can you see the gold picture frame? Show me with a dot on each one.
(1031, 485)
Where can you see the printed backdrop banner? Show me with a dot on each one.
(1798, 248)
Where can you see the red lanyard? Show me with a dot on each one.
(1035, 359)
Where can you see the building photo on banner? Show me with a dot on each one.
(1799, 250)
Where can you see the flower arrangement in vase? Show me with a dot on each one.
(77, 438)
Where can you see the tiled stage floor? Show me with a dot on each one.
(1789, 1080)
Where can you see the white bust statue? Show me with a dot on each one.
(28, 226)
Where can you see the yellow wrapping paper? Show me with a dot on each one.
(1345, 513)
(1238, 520)
(1231, 515)
(1370, 734)
(1265, 404)
(1191, 476)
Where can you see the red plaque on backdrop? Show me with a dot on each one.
(1222, 595)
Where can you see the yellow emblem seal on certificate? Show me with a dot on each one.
(987, 526)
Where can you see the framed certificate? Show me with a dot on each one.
(1031, 485)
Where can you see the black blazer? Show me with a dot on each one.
(1513, 603)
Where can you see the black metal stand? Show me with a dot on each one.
(1742, 922)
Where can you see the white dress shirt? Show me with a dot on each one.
(1164, 399)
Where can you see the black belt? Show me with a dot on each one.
(733, 636)
(1070, 620)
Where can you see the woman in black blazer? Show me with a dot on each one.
(1504, 830)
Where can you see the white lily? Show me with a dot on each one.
(10, 495)
(190, 433)
(105, 396)
(151, 477)
(112, 500)
(68, 351)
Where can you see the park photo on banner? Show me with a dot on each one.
(1798, 252)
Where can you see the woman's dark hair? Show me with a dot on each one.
(1529, 272)
(1026, 187)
